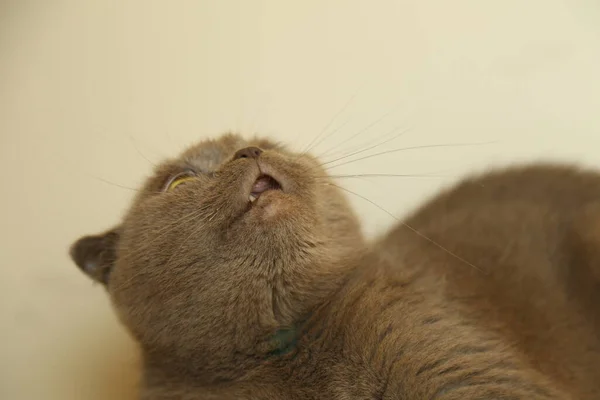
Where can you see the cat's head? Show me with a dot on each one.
(221, 248)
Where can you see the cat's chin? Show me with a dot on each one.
(270, 204)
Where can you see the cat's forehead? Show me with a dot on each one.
(208, 155)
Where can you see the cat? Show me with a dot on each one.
(242, 272)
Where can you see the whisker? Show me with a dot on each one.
(328, 125)
(403, 149)
(360, 148)
(132, 139)
(333, 132)
(113, 183)
(414, 230)
(388, 175)
(395, 129)
(361, 131)
(121, 186)
(367, 128)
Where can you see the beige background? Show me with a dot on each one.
(93, 92)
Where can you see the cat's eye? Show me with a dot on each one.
(179, 179)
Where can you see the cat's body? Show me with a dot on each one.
(489, 291)
(531, 236)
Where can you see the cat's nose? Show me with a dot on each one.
(247, 152)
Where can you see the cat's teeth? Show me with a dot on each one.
(252, 199)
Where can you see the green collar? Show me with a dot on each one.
(284, 341)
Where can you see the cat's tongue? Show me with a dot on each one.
(263, 184)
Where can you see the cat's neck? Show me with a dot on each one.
(277, 363)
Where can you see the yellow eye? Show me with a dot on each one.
(178, 180)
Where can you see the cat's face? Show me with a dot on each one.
(223, 246)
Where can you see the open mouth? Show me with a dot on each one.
(262, 184)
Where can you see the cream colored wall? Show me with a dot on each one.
(91, 89)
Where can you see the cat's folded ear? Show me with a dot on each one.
(96, 255)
